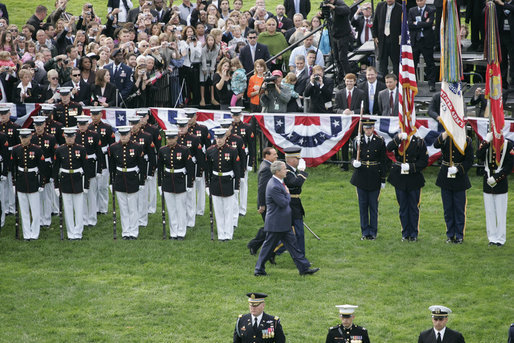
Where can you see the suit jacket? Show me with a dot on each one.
(244, 332)
(263, 176)
(305, 8)
(122, 79)
(384, 107)
(319, 96)
(278, 212)
(109, 94)
(450, 336)
(133, 14)
(358, 96)
(424, 26)
(284, 23)
(359, 24)
(379, 24)
(84, 93)
(341, 28)
(245, 56)
(299, 87)
(379, 87)
(34, 21)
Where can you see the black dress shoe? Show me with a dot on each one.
(260, 274)
(125, 238)
(413, 239)
(180, 238)
(491, 244)
(371, 238)
(458, 241)
(310, 271)
(450, 240)
(363, 238)
(272, 259)
(499, 244)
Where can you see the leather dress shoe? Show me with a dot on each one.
(458, 241)
(310, 271)
(260, 274)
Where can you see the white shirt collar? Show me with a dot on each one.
(20, 86)
(258, 319)
(442, 333)
(276, 177)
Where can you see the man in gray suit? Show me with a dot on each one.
(388, 98)
(278, 223)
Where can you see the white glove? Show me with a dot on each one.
(141, 187)
(452, 170)
(405, 167)
(403, 136)
(3, 178)
(491, 181)
(51, 180)
(383, 185)
(236, 191)
(356, 164)
(149, 178)
(40, 189)
(489, 137)
(250, 168)
(301, 165)
(57, 192)
(189, 190)
(207, 191)
(86, 190)
(110, 188)
(160, 190)
(98, 175)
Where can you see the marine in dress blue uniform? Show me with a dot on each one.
(347, 331)
(258, 326)
(66, 111)
(10, 129)
(440, 333)
(369, 177)
(453, 181)
(407, 178)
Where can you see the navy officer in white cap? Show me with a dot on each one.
(440, 333)
(258, 326)
(347, 331)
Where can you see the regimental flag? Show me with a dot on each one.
(407, 85)
(493, 78)
(452, 102)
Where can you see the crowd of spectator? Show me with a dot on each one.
(215, 54)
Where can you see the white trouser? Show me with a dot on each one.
(200, 195)
(45, 202)
(152, 195)
(223, 211)
(127, 202)
(102, 195)
(3, 199)
(73, 205)
(235, 208)
(90, 203)
(177, 218)
(29, 204)
(55, 199)
(9, 195)
(142, 205)
(243, 194)
(496, 216)
(191, 206)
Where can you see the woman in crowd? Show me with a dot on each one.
(49, 92)
(192, 52)
(275, 42)
(227, 30)
(254, 85)
(104, 93)
(221, 82)
(86, 74)
(139, 95)
(212, 10)
(243, 24)
(210, 53)
(104, 54)
(25, 92)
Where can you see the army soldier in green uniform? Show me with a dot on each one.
(347, 332)
(257, 326)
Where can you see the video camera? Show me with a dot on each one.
(269, 81)
(325, 10)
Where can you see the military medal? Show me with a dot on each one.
(72, 113)
(47, 143)
(234, 144)
(198, 133)
(90, 140)
(243, 132)
(31, 155)
(227, 156)
(52, 130)
(77, 153)
(189, 144)
(9, 132)
(102, 132)
(179, 155)
(141, 141)
(131, 152)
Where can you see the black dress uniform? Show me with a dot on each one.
(93, 144)
(74, 177)
(48, 144)
(4, 154)
(245, 131)
(107, 138)
(10, 129)
(55, 128)
(193, 143)
(496, 188)
(368, 179)
(408, 186)
(154, 131)
(453, 190)
(66, 113)
(353, 334)
(269, 330)
(203, 133)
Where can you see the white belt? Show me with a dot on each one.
(246, 150)
(28, 170)
(175, 171)
(71, 171)
(1, 158)
(92, 156)
(48, 159)
(128, 170)
(10, 148)
(146, 157)
(230, 173)
(104, 149)
(193, 159)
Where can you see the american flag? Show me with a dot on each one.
(407, 85)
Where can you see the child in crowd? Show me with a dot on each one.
(254, 85)
(289, 81)
(238, 83)
(210, 53)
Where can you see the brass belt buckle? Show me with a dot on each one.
(220, 174)
(71, 171)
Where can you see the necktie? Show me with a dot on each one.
(366, 27)
(391, 103)
(252, 49)
(349, 100)
(371, 97)
(310, 71)
(387, 31)
(439, 337)
(255, 325)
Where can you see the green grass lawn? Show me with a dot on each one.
(150, 290)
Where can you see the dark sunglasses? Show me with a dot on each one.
(76, 75)
(53, 78)
(252, 37)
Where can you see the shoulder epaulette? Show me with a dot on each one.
(240, 316)
(276, 318)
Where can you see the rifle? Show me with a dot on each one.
(162, 208)
(61, 228)
(113, 209)
(211, 217)
(359, 133)
(16, 209)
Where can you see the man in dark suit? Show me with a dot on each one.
(475, 16)
(440, 333)
(388, 98)
(319, 89)
(505, 11)
(278, 223)
(297, 25)
(283, 23)
(438, 4)
(349, 99)
(258, 326)
(302, 78)
(121, 74)
(342, 35)
(386, 30)
(134, 13)
(362, 21)
(253, 51)
(421, 20)
(37, 19)
(297, 6)
(371, 88)
(269, 155)
(80, 90)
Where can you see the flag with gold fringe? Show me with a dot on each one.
(493, 78)
(452, 103)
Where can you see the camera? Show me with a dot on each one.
(269, 81)
(193, 38)
(66, 61)
(325, 10)
(89, 6)
(317, 78)
(88, 13)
